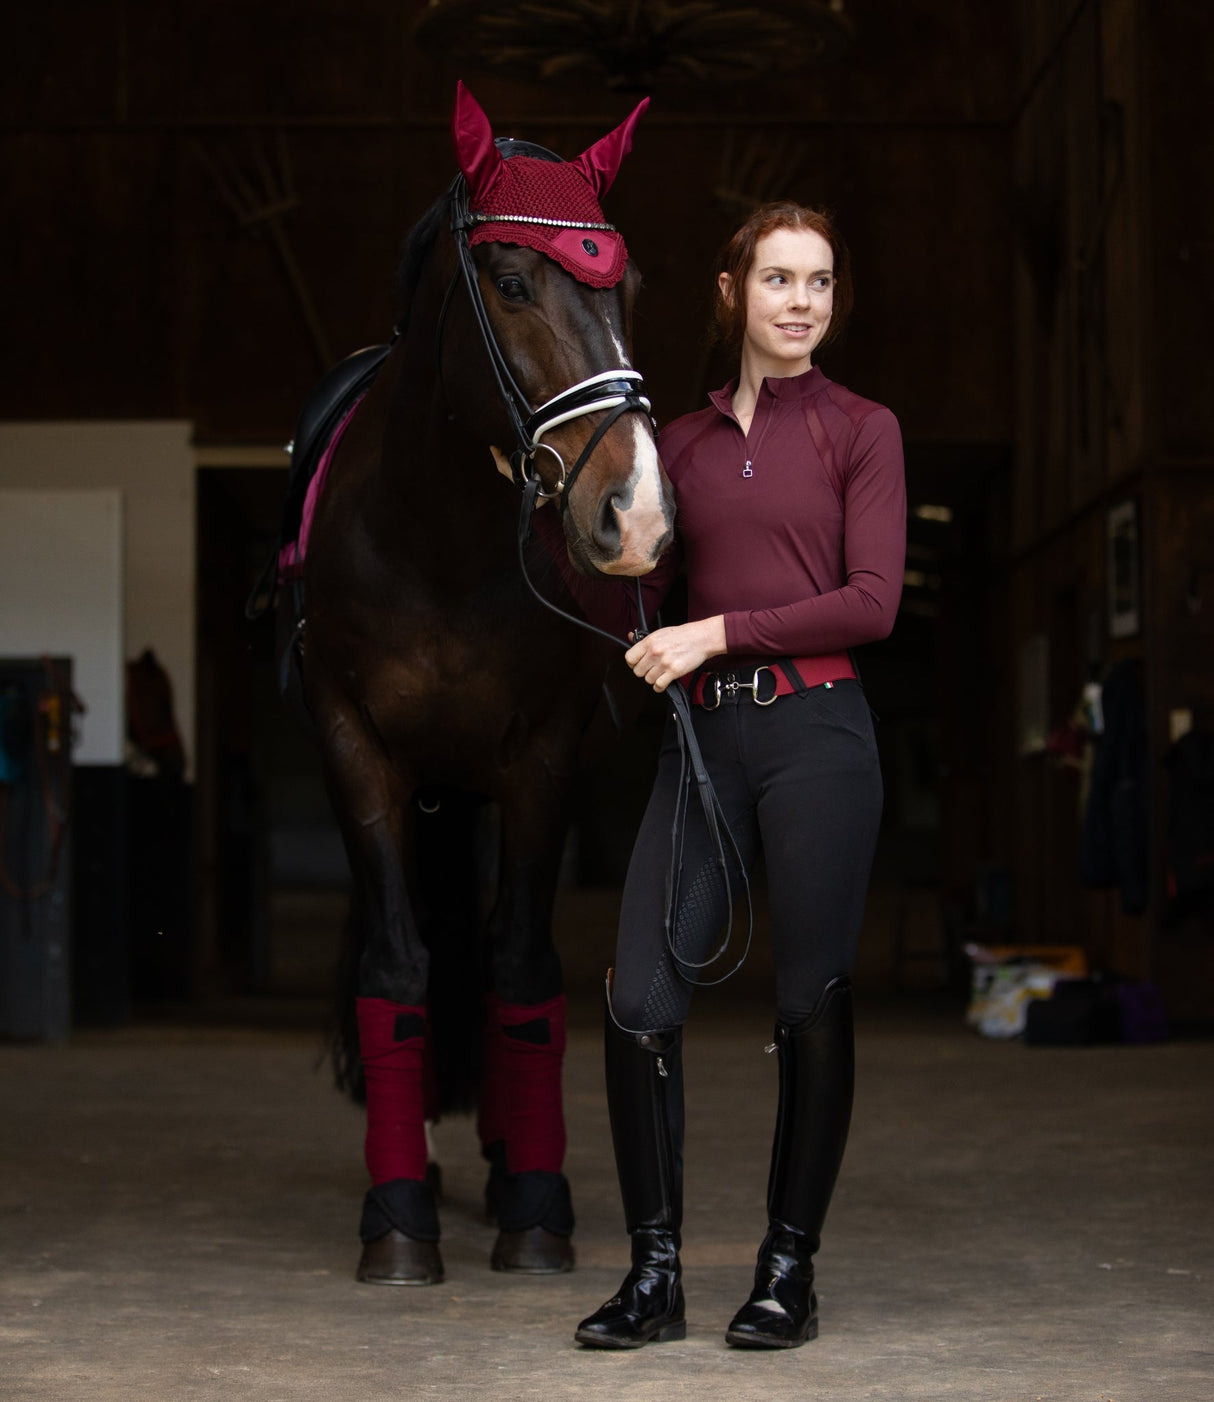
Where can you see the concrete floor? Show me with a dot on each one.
(178, 1208)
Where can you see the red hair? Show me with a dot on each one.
(738, 257)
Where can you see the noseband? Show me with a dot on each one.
(619, 391)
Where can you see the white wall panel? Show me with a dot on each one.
(61, 594)
(152, 464)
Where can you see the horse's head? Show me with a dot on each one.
(557, 289)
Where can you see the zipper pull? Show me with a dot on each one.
(767, 1051)
(746, 471)
(662, 1069)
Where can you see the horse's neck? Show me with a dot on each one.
(429, 486)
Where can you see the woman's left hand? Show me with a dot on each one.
(670, 653)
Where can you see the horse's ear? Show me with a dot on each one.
(478, 157)
(600, 163)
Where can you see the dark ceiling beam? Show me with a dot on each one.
(531, 120)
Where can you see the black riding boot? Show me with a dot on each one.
(645, 1103)
(817, 1073)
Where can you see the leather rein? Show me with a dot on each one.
(619, 391)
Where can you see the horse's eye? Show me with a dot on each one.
(512, 289)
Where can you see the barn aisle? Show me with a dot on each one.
(178, 1209)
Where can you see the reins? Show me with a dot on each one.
(619, 392)
(692, 768)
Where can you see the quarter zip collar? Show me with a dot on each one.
(778, 387)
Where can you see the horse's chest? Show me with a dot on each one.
(456, 714)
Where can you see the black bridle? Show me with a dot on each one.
(619, 391)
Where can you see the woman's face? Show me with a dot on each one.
(789, 296)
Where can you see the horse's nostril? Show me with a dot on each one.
(607, 525)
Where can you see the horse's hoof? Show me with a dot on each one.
(396, 1259)
(536, 1251)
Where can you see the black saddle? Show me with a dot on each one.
(323, 410)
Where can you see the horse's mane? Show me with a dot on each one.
(421, 237)
(413, 258)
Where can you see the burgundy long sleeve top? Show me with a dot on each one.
(795, 531)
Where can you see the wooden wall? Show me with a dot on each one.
(1113, 290)
(137, 293)
(1025, 192)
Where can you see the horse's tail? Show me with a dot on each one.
(343, 1032)
(445, 895)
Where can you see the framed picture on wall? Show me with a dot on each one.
(1124, 577)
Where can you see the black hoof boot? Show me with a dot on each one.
(534, 1212)
(399, 1231)
(782, 1311)
(648, 1307)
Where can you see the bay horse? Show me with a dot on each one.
(428, 668)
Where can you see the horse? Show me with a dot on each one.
(431, 673)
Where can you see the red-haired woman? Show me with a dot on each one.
(791, 526)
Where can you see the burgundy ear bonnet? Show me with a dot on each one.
(552, 206)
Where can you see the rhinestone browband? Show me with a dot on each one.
(532, 219)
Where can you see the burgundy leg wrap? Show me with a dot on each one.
(432, 1107)
(392, 1041)
(491, 1098)
(521, 1083)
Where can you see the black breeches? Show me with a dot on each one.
(798, 779)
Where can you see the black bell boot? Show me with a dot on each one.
(399, 1231)
(817, 1076)
(645, 1103)
(535, 1217)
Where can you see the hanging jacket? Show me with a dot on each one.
(1114, 847)
(1190, 846)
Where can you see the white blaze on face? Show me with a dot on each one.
(622, 355)
(643, 523)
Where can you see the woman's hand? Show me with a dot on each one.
(670, 653)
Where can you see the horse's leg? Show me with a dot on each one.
(521, 1120)
(399, 1226)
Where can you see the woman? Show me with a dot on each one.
(791, 526)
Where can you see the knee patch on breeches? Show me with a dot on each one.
(701, 919)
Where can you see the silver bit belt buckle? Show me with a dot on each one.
(714, 686)
(754, 687)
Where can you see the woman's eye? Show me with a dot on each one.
(512, 289)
